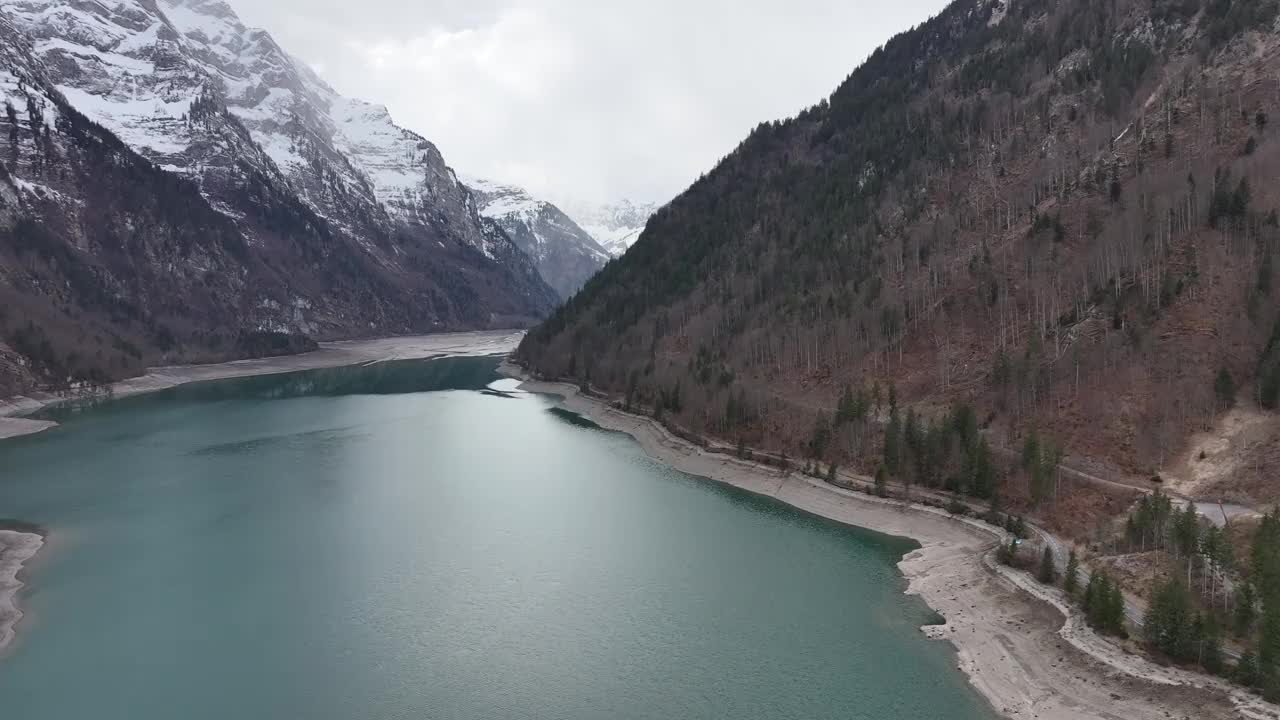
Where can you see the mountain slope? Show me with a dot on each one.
(563, 252)
(1056, 211)
(372, 234)
(615, 226)
(362, 223)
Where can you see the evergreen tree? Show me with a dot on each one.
(1089, 597)
(1224, 388)
(882, 481)
(1246, 670)
(1113, 620)
(1245, 609)
(1186, 531)
(983, 481)
(1009, 553)
(1069, 580)
(1269, 639)
(1048, 572)
(1019, 527)
(1211, 646)
(892, 441)
(820, 438)
(1168, 624)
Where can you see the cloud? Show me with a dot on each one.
(583, 99)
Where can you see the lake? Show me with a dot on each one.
(401, 541)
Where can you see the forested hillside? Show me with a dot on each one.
(1062, 214)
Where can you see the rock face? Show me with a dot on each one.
(616, 225)
(277, 208)
(565, 254)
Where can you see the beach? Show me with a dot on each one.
(1023, 646)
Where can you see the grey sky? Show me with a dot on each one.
(581, 98)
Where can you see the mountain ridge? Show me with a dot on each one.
(351, 225)
(615, 225)
(1017, 206)
(565, 254)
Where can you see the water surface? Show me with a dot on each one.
(398, 542)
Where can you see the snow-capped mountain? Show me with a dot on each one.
(138, 66)
(616, 225)
(565, 254)
(341, 223)
(186, 84)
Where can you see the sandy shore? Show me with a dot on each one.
(332, 354)
(15, 549)
(1023, 647)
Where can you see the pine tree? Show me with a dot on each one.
(1048, 572)
(1114, 619)
(1090, 595)
(1019, 527)
(1069, 580)
(983, 482)
(882, 481)
(1186, 531)
(1169, 623)
(1269, 641)
(1224, 388)
(892, 441)
(1245, 610)
(1246, 670)
(1009, 553)
(1211, 646)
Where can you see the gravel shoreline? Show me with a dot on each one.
(330, 354)
(1022, 646)
(16, 548)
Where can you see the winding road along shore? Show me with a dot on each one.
(1022, 645)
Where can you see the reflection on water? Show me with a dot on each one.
(422, 540)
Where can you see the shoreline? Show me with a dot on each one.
(1022, 646)
(329, 355)
(16, 548)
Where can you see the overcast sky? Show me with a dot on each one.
(585, 99)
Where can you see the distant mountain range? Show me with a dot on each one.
(564, 253)
(177, 187)
(615, 226)
(568, 244)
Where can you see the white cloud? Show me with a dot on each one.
(579, 98)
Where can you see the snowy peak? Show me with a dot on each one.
(135, 67)
(565, 254)
(616, 225)
(362, 221)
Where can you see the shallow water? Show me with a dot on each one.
(399, 542)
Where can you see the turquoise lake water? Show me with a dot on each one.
(399, 542)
